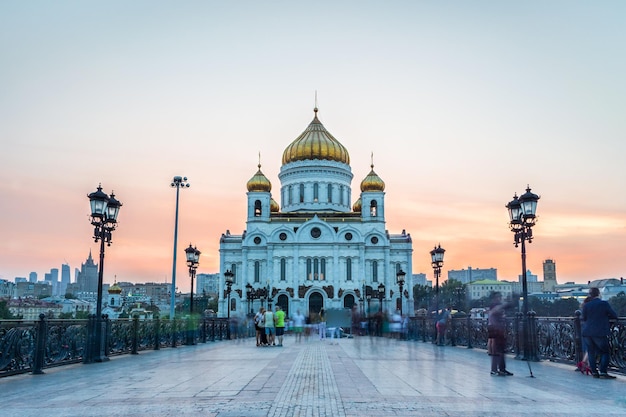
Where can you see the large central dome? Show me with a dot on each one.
(316, 143)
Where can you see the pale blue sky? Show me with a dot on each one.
(462, 103)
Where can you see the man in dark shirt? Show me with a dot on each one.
(596, 330)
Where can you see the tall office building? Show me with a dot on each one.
(465, 276)
(32, 277)
(65, 279)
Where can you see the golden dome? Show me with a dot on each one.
(115, 289)
(259, 182)
(356, 207)
(316, 143)
(372, 182)
(274, 207)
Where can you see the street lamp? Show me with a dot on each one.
(193, 260)
(381, 295)
(436, 256)
(229, 284)
(400, 280)
(522, 219)
(178, 183)
(249, 297)
(104, 211)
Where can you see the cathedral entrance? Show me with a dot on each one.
(348, 301)
(283, 302)
(316, 302)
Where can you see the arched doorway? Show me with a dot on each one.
(316, 302)
(348, 301)
(283, 302)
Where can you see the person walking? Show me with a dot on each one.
(496, 328)
(442, 325)
(596, 331)
(259, 326)
(270, 329)
(298, 325)
(322, 324)
(279, 317)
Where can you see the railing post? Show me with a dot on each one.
(157, 333)
(40, 345)
(469, 332)
(173, 320)
(424, 329)
(533, 337)
(135, 342)
(518, 335)
(212, 330)
(90, 342)
(578, 339)
(204, 324)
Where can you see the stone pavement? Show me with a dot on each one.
(352, 377)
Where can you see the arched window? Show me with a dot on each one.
(283, 269)
(374, 271)
(348, 301)
(330, 193)
(233, 269)
(323, 269)
(316, 269)
(233, 304)
(316, 190)
(290, 194)
(373, 208)
(112, 301)
(283, 302)
(257, 208)
(302, 193)
(257, 271)
(348, 269)
(309, 269)
(341, 194)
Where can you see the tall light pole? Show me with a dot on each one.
(104, 211)
(228, 275)
(400, 280)
(193, 260)
(436, 256)
(522, 219)
(178, 183)
(381, 295)
(249, 295)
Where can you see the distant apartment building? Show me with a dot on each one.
(530, 277)
(32, 277)
(21, 279)
(207, 283)
(420, 279)
(484, 288)
(7, 289)
(86, 279)
(465, 276)
(30, 308)
(65, 279)
(33, 290)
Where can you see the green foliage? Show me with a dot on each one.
(69, 296)
(618, 303)
(5, 313)
(422, 295)
(561, 307)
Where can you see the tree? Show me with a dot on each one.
(421, 296)
(618, 302)
(5, 313)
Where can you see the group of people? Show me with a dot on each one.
(596, 316)
(269, 326)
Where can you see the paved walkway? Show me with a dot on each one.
(354, 377)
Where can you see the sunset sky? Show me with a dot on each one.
(461, 103)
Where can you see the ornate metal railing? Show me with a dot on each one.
(31, 346)
(558, 339)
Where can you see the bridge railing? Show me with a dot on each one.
(31, 346)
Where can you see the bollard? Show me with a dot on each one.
(40, 345)
(90, 342)
(135, 342)
(578, 340)
(157, 331)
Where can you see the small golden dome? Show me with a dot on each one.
(356, 207)
(316, 143)
(115, 289)
(259, 182)
(372, 182)
(274, 207)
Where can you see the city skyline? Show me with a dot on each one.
(462, 105)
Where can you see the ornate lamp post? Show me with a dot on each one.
(193, 260)
(178, 183)
(104, 211)
(368, 296)
(400, 280)
(249, 297)
(436, 256)
(381, 295)
(228, 275)
(522, 219)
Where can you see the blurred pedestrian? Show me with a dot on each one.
(596, 331)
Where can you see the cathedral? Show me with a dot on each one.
(316, 249)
